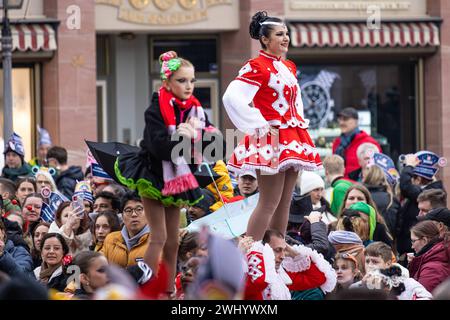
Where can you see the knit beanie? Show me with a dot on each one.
(15, 144)
(369, 211)
(310, 181)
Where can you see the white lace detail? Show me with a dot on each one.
(322, 265)
(299, 263)
(295, 164)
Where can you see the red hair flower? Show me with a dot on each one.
(67, 259)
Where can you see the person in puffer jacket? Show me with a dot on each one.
(226, 191)
(13, 259)
(276, 270)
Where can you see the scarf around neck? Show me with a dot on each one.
(131, 242)
(177, 175)
(346, 139)
(46, 272)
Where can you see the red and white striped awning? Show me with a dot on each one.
(395, 34)
(32, 37)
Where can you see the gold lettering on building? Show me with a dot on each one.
(187, 4)
(139, 4)
(349, 5)
(139, 12)
(115, 3)
(210, 3)
(164, 4)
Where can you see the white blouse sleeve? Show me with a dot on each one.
(237, 99)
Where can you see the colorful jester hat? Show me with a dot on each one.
(83, 189)
(369, 211)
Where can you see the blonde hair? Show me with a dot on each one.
(360, 227)
(334, 164)
(48, 177)
(375, 177)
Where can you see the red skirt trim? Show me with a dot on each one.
(291, 148)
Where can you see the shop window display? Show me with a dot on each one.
(383, 95)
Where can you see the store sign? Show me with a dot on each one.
(164, 12)
(349, 5)
(350, 9)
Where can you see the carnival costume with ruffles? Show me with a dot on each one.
(307, 270)
(270, 83)
(156, 172)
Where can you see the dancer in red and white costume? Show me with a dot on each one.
(277, 143)
(275, 269)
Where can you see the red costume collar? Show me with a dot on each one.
(268, 55)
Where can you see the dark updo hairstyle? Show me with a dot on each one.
(257, 29)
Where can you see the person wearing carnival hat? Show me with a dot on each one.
(83, 190)
(15, 165)
(44, 144)
(418, 174)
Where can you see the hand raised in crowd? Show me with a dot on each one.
(411, 160)
(245, 243)
(290, 252)
(314, 216)
(73, 222)
(182, 233)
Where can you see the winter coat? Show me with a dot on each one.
(431, 266)
(57, 281)
(223, 184)
(15, 259)
(14, 233)
(407, 215)
(340, 186)
(67, 180)
(382, 198)
(381, 233)
(350, 157)
(116, 251)
(14, 173)
(76, 243)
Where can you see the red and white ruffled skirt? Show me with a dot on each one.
(291, 148)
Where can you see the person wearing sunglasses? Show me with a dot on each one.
(127, 246)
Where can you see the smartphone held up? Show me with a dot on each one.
(78, 205)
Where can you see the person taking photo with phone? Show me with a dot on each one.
(72, 223)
